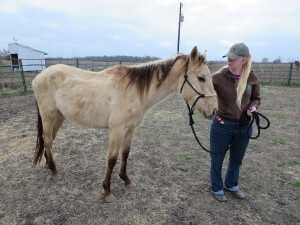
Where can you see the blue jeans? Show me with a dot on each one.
(232, 134)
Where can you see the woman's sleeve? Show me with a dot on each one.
(255, 95)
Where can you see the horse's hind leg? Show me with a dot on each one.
(59, 120)
(124, 156)
(48, 116)
(48, 130)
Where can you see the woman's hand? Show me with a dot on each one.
(251, 110)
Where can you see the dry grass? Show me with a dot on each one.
(169, 168)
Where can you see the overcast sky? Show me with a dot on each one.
(68, 28)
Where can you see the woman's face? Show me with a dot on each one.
(237, 64)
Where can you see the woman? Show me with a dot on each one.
(238, 93)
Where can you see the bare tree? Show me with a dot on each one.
(278, 60)
(265, 60)
(4, 55)
(297, 64)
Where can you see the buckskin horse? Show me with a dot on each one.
(116, 98)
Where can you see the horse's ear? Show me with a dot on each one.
(204, 54)
(194, 53)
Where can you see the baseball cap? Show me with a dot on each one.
(237, 50)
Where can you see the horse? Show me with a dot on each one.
(116, 99)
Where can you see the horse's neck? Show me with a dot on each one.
(156, 95)
(166, 88)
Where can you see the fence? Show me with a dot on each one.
(92, 65)
(270, 73)
(18, 80)
(14, 79)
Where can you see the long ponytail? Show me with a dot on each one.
(243, 81)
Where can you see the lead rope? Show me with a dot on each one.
(254, 117)
(191, 112)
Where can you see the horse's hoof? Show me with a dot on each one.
(56, 176)
(131, 185)
(110, 198)
(55, 173)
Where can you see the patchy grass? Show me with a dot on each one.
(171, 172)
(297, 184)
(279, 141)
(289, 163)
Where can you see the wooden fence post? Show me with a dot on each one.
(290, 74)
(23, 76)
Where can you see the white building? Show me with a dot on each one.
(32, 59)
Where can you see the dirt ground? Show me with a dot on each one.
(166, 163)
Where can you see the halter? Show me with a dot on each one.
(201, 95)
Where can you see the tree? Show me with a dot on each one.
(4, 55)
(265, 60)
(278, 60)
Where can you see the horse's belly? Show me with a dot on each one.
(86, 115)
(88, 122)
(100, 124)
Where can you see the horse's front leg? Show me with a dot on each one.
(125, 149)
(116, 137)
(110, 163)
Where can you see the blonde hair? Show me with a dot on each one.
(243, 81)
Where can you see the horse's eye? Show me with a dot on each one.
(201, 79)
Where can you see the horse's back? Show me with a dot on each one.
(59, 76)
(61, 72)
(81, 96)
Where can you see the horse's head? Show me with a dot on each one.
(196, 86)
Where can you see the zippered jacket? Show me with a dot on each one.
(225, 87)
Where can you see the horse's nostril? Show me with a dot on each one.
(215, 112)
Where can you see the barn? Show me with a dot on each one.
(32, 59)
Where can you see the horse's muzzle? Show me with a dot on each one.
(211, 116)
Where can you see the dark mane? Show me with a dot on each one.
(142, 76)
(202, 59)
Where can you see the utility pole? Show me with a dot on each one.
(181, 18)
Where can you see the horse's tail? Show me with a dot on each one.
(39, 149)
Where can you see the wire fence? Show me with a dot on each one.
(287, 74)
(13, 79)
(18, 78)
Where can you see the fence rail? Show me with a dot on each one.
(271, 73)
(19, 80)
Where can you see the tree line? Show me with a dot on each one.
(4, 55)
(117, 58)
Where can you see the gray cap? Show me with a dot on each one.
(238, 50)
